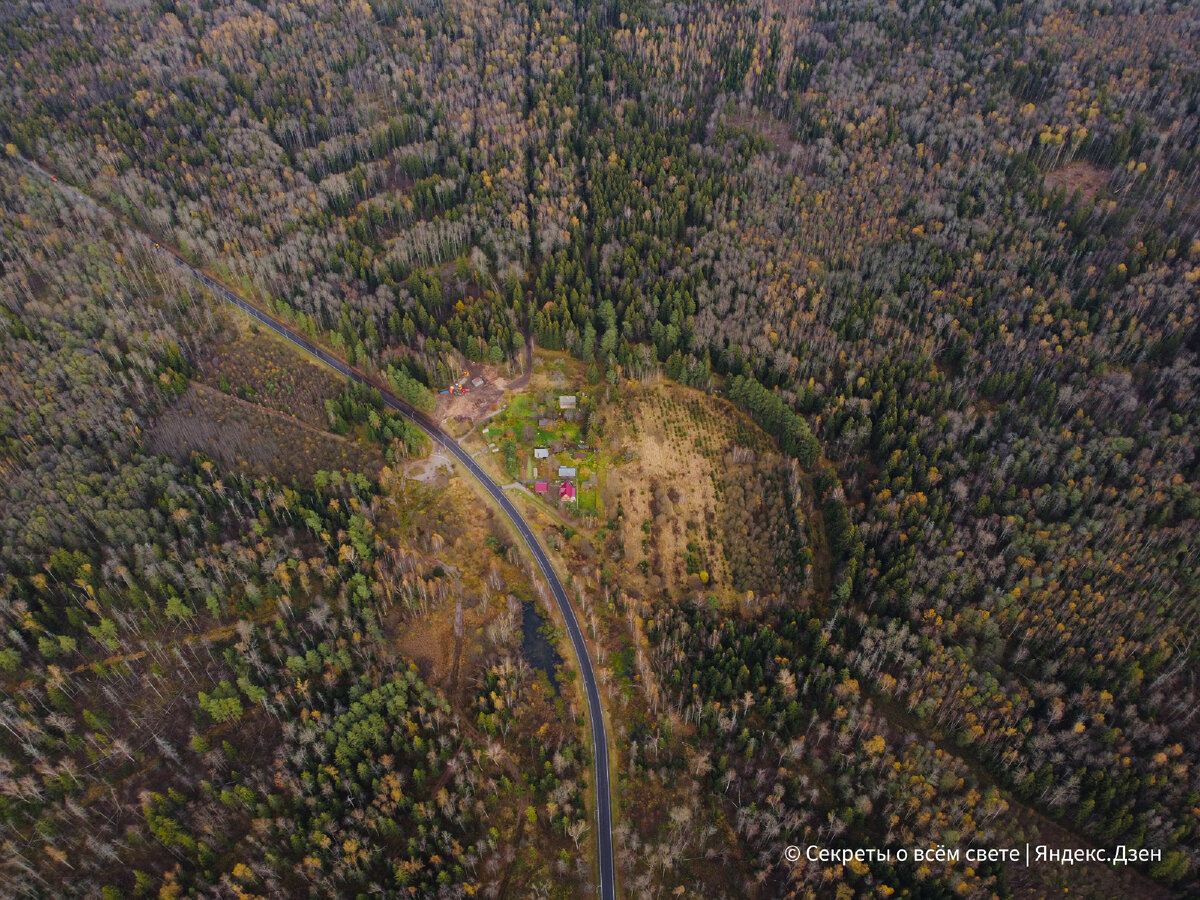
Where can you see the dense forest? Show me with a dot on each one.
(946, 254)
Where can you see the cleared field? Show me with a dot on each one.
(1078, 176)
(257, 366)
(246, 437)
(707, 503)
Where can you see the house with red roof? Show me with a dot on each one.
(567, 492)
(540, 486)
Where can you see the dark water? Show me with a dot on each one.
(538, 651)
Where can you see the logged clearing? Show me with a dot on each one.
(257, 406)
(476, 401)
(257, 365)
(1078, 176)
(253, 439)
(461, 550)
(708, 503)
(777, 132)
(673, 482)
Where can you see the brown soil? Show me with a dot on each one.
(669, 471)
(775, 131)
(429, 642)
(479, 402)
(1079, 175)
(676, 439)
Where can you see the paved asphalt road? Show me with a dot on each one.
(595, 711)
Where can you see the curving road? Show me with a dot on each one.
(595, 711)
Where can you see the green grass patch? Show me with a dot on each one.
(520, 407)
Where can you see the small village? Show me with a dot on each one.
(538, 442)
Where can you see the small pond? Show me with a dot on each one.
(538, 651)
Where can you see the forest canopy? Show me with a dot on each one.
(946, 255)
